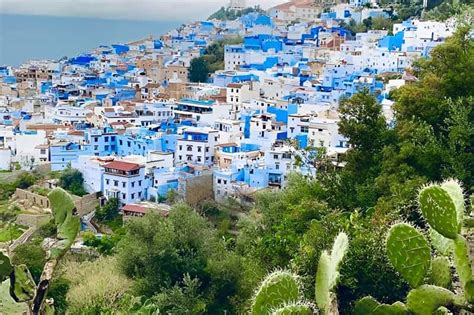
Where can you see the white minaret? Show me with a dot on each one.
(237, 5)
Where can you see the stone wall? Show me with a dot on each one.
(35, 199)
(86, 204)
(32, 220)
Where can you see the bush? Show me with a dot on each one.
(33, 256)
(72, 181)
(109, 211)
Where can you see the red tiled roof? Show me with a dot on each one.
(135, 208)
(122, 166)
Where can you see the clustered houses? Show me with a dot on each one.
(127, 118)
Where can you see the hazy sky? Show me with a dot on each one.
(123, 9)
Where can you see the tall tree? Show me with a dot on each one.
(199, 70)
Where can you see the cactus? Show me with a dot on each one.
(22, 285)
(439, 210)
(278, 289)
(328, 271)
(279, 293)
(440, 272)
(5, 267)
(370, 306)
(443, 245)
(443, 208)
(426, 299)
(296, 308)
(409, 253)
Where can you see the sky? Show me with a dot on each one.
(123, 9)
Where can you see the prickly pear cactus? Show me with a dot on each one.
(409, 253)
(277, 290)
(439, 209)
(328, 271)
(454, 189)
(426, 299)
(440, 274)
(370, 306)
(5, 267)
(463, 267)
(323, 280)
(443, 245)
(22, 285)
(296, 308)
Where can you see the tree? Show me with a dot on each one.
(33, 256)
(159, 252)
(109, 211)
(199, 70)
(433, 135)
(72, 181)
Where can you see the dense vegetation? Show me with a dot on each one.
(226, 14)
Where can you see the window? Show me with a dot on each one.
(123, 184)
(133, 185)
(107, 181)
(219, 181)
(139, 194)
(275, 156)
(133, 195)
(140, 183)
(116, 183)
(129, 144)
(106, 139)
(43, 151)
(120, 142)
(124, 196)
(199, 149)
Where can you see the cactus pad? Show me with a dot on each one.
(323, 280)
(409, 253)
(438, 208)
(277, 289)
(339, 250)
(5, 267)
(298, 308)
(22, 285)
(370, 306)
(454, 189)
(426, 299)
(463, 267)
(440, 272)
(443, 245)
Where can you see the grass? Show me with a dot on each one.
(11, 232)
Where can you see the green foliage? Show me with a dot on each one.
(105, 244)
(72, 181)
(409, 253)
(58, 291)
(109, 211)
(22, 287)
(226, 14)
(426, 299)
(439, 210)
(33, 256)
(47, 230)
(158, 252)
(440, 272)
(5, 267)
(211, 61)
(199, 70)
(276, 290)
